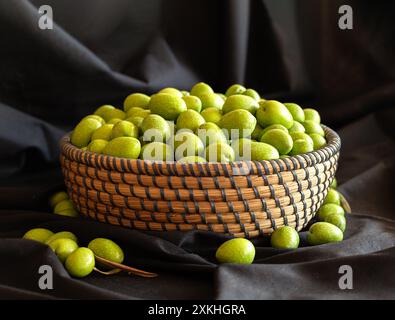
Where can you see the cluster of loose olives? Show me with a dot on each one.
(79, 261)
(330, 225)
(329, 228)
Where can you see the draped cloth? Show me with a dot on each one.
(100, 51)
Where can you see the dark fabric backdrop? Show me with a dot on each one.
(100, 51)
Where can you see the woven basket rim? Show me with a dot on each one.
(240, 167)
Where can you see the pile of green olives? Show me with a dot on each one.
(200, 125)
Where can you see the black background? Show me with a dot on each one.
(100, 51)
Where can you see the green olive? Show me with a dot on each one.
(38, 234)
(334, 183)
(332, 197)
(65, 208)
(338, 220)
(107, 249)
(328, 209)
(62, 235)
(80, 263)
(323, 232)
(63, 247)
(285, 238)
(58, 197)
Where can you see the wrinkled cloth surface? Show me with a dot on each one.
(101, 51)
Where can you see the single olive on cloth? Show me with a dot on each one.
(238, 250)
(323, 232)
(107, 249)
(285, 238)
(38, 234)
(80, 263)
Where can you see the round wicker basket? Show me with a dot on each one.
(243, 199)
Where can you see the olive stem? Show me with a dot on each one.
(107, 273)
(123, 267)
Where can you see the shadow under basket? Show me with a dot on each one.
(243, 199)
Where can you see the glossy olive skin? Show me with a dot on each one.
(323, 232)
(80, 263)
(107, 249)
(38, 234)
(285, 238)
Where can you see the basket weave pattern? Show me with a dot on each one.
(244, 199)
